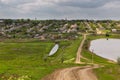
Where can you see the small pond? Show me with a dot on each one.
(109, 49)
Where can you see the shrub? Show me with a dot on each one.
(118, 60)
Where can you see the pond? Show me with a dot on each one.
(109, 49)
(54, 50)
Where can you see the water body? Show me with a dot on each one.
(109, 49)
(54, 50)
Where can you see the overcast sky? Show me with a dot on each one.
(60, 9)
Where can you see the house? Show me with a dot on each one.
(100, 30)
(73, 26)
(72, 29)
(37, 36)
(1, 22)
(114, 30)
(42, 37)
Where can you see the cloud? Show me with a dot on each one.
(43, 9)
(83, 3)
(33, 5)
(114, 4)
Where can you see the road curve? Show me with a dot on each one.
(74, 73)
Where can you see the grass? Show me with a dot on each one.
(109, 72)
(25, 59)
(22, 58)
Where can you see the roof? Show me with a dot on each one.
(1, 20)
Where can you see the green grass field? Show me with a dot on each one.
(26, 59)
(22, 59)
(109, 72)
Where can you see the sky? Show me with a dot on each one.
(60, 9)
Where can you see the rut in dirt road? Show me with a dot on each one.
(74, 73)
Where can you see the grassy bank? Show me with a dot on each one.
(89, 55)
(110, 71)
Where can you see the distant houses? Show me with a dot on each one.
(100, 31)
(1, 21)
(72, 29)
(52, 29)
(114, 30)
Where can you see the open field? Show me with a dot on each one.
(26, 59)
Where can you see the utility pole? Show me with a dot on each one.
(92, 56)
(62, 58)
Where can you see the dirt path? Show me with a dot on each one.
(78, 56)
(87, 74)
(74, 73)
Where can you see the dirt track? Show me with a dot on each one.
(79, 56)
(74, 73)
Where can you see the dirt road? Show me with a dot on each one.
(78, 56)
(74, 73)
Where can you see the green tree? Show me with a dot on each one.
(107, 35)
(8, 21)
(118, 60)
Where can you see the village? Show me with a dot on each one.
(55, 29)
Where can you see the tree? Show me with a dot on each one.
(118, 60)
(8, 21)
(28, 20)
(107, 35)
(34, 23)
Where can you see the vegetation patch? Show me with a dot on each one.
(25, 59)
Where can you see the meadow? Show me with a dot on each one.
(29, 60)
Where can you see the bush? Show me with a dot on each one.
(118, 60)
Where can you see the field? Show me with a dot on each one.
(29, 60)
(109, 72)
